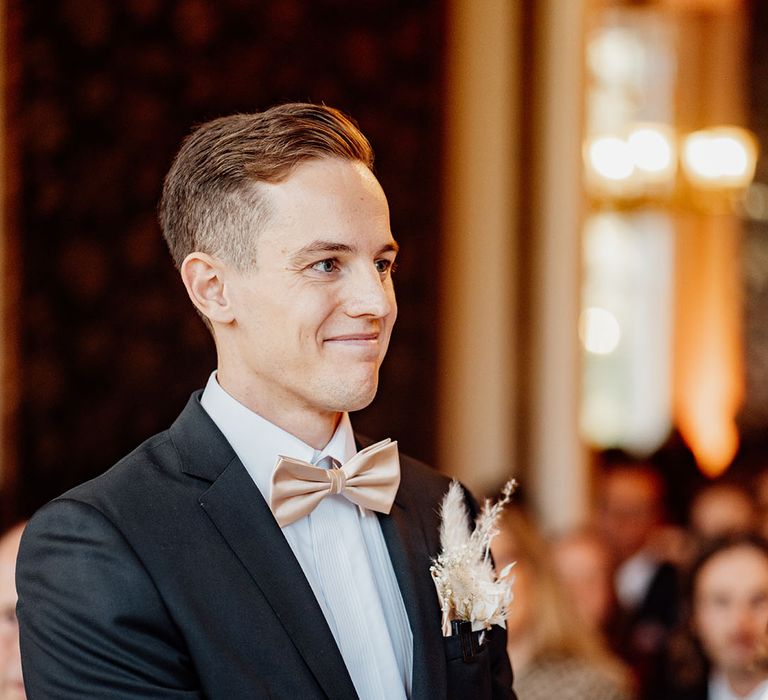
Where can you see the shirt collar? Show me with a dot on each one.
(633, 578)
(258, 442)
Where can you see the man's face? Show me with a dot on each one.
(314, 317)
(628, 510)
(583, 567)
(731, 608)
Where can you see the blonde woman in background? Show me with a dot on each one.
(554, 653)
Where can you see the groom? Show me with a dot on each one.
(233, 556)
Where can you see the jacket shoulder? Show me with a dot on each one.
(420, 479)
(142, 466)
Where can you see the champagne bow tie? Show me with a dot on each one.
(370, 480)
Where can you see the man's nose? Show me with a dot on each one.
(368, 294)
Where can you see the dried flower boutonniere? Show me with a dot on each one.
(468, 586)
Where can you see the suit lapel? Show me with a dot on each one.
(242, 517)
(409, 552)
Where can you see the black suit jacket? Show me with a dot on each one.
(168, 577)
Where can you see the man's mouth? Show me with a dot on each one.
(354, 338)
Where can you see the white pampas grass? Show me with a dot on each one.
(467, 584)
(454, 520)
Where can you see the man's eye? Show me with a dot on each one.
(328, 265)
(384, 266)
(719, 602)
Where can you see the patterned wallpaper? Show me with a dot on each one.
(111, 348)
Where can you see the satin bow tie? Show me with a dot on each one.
(370, 480)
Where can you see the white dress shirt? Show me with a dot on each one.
(340, 548)
(633, 579)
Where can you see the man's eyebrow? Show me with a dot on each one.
(321, 247)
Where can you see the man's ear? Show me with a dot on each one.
(204, 277)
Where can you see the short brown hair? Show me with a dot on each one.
(211, 199)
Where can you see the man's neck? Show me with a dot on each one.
(314, 428)
(743, 682)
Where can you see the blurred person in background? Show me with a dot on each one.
(555, 655)
(717, 509)
(629, 518)
(582, 563)
(721, 508)
(721, 653)
(11, 682)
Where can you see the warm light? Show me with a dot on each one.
(722, 157)
(651, 149)
(706, 420)
(610, 157)
(615, 55)
(715, 444)
(709, 353)
(607, 243)
(626, 329)
(732, 156)
(640, 161)
(599, 330)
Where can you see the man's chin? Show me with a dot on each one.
(361, 402)
(356, 399)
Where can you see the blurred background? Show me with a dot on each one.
(579, 187)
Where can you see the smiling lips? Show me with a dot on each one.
(367, 343)
(365, 338)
